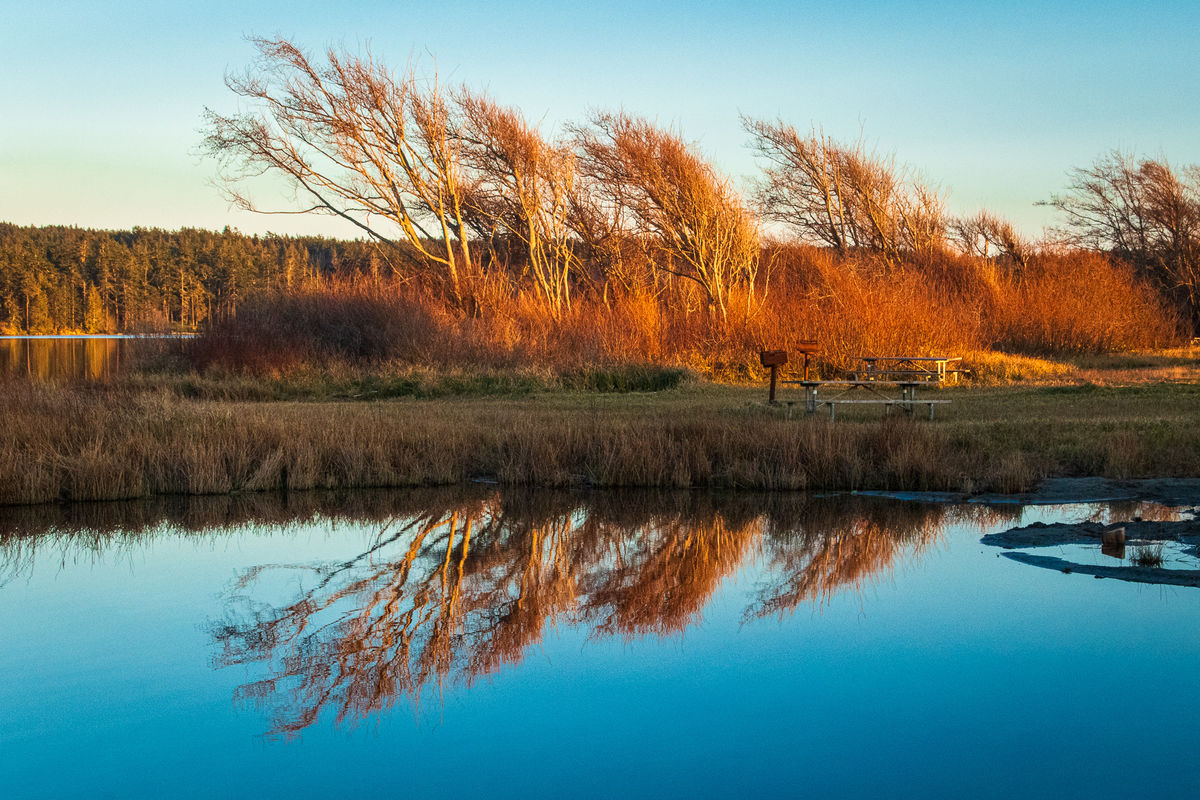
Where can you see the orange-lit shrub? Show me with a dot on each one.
(1079, 302)
(853, 306)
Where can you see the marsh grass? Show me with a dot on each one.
(1147, 555)
(104, 442)
(387, 381)
(999, 368)
(351, 386)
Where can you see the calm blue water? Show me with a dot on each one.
(578, 646)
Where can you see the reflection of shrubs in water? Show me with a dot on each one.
(1135, 510)
(1147, 555)
(92, 528)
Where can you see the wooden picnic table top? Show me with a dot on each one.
(911, 358)
(879, 400)
(859, 382)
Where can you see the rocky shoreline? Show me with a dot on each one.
(1177, 493)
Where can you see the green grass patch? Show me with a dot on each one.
(386, 383)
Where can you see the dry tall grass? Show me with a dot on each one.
(105, 443)
(109, 446)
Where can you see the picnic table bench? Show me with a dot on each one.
(907, 401)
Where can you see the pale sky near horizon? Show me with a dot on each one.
(101, 103)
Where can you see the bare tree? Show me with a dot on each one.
(989, 235)
(803, 184)
(611, 254)
(520, 187)
(355, 140)
(655, 187)
(843, 196)
(1142, 211)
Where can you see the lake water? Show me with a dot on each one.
(479, 643)
(73, 358)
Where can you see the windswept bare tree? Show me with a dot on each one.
(355, 140)
(989, 235)
(842, 196)
(656, 188)
(519, 187)
(1142, 211)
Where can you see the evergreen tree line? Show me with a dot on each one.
(59, 279)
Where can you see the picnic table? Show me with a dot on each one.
(923, 368)
(877, 383)
(864, 391)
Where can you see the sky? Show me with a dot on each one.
(101, 103)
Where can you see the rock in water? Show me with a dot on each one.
(1112, 543)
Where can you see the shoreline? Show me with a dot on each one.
(1168, 491)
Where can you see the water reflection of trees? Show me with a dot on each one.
(454, 593)
(824, 548)
(72, 532)
(455, 585)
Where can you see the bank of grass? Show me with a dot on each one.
(110, 442)
(991, 367)
(388, 380)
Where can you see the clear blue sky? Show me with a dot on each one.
(100, 103)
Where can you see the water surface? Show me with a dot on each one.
(74, 358)
(496, 644)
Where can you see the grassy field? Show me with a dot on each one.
(1121, 416)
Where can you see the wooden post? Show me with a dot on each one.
(809, 348)
(772, 359)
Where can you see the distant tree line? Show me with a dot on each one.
(59, 279)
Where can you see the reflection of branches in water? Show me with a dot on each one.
(456, 585)
(84, 531)
(663, 573)
(456, 593)
(369, 628)
(820, 549)
(822, 556)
